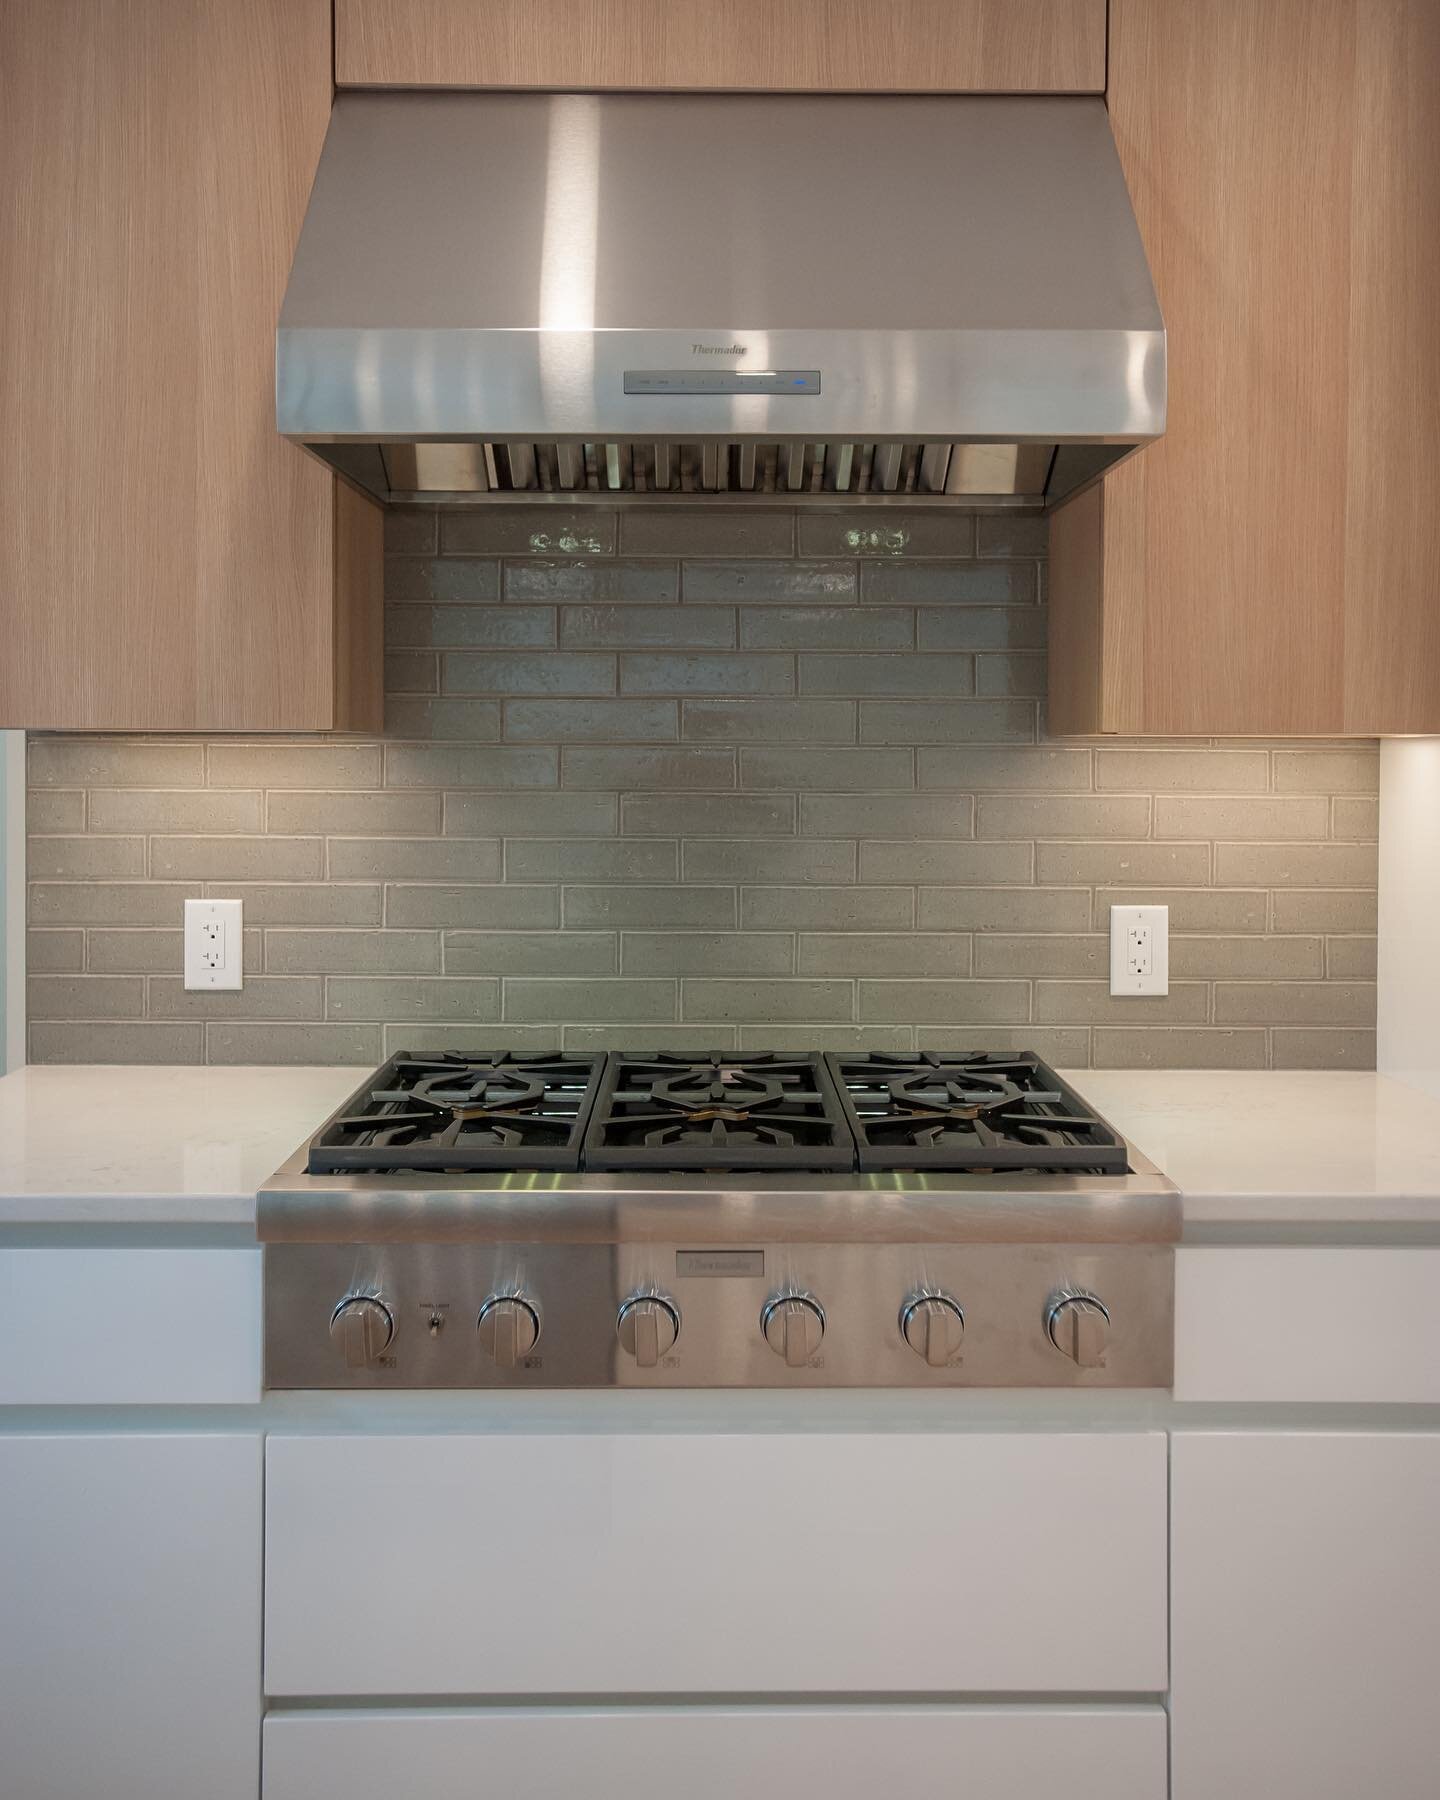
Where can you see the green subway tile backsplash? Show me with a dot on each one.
(710, 776)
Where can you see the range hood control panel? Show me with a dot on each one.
(722, 381)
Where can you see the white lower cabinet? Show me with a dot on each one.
(1305, 1630)
(1246, 1324)
(618, 1565)
(716, 1753)
(188, 1333)
(130, 1616)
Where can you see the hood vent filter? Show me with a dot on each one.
(784, 470)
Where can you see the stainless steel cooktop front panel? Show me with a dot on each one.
(435, 1292)
(537, 1207)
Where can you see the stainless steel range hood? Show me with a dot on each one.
(719, 297)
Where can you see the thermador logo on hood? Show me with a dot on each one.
(720, 349)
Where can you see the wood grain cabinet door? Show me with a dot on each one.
(1272, 564)
(167, 561)
(886, 46)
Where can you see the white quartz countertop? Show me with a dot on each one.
(1311, 1148)
(83, 1145)
(113, 1146)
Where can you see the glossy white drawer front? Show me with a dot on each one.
(599, 1565)
(129, 1327)
(1307, 1324)
(1306, 1615)
(719, 1753)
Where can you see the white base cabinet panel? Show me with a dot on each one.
(1305, 1602)
(745, 1564)
(1306, 1324)
(153, 1327)
(130, 1617)
(717, 1753)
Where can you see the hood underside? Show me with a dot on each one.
(774, 298)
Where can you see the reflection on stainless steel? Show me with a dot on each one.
(569, 250)
(570, 236)
(999, 469)
(1141, 1207)
(526, 259)
(420, 468)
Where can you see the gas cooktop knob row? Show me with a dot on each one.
(508, 1328)
(647, 1328)
(933, 1326)
(363, 1328)
(794, 1326)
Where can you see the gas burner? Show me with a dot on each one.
(713, 1113)
(720, 1134)
(478, 1086)
(980, 1114)
(462, 1113)
(718, 1113)
(965, 1094)
(719, 1090)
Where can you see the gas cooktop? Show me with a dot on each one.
(714, 1112)
(497, 1218)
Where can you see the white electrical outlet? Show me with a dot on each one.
(1139, 949)
(214, 944)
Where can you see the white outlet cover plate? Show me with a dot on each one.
(214, 945)
(1149, 928)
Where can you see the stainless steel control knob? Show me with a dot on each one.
(1079, 1324)
(933, 1326)
(794, 1326)
(363, 1328)
(508, 1328)
(647, 1328)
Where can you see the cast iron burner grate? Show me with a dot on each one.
(465, 1113)
(718, 1113)
(972, 1113)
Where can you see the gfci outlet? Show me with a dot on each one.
(214, 944)
(1139, 949)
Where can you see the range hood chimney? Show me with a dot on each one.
(783, 299)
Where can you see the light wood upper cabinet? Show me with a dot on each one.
(1272, 565)
(895, 46)
(167, 562)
